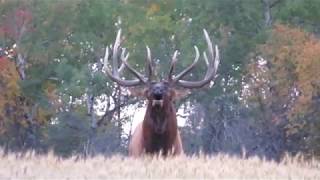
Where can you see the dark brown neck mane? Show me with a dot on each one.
(159, 127)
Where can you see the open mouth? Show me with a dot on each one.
(157, 102)
(157, 99)
(157, 96)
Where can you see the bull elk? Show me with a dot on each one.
(158, 132)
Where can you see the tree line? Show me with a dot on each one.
(55, 95)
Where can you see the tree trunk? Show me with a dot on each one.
(21, 66)
(117, 104)
(267, 12)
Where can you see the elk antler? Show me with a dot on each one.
(114, 74)
(212, 64)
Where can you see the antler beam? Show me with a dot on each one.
(115, 72)
(212, 64)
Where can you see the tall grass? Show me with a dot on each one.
(32, 166)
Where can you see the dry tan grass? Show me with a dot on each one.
(216, 167)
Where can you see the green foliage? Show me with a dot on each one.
(303, 13)
(65, 40)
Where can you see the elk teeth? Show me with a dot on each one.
(157, 102)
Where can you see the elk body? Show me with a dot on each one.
(158, 132)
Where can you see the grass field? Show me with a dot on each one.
(30, 166)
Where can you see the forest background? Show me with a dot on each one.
(54, 94)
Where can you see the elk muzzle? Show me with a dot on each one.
(158, 93)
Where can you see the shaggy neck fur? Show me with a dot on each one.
(159, 127)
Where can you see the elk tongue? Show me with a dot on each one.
(157, 102)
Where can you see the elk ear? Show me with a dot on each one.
(181, 93)
(138, 92)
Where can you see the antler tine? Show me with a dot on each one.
(173, 64)
(212, 66)
(116, 70)
(206, 58)
(131, 69)
(106, 59)
(117, 78)
(116, 46)
(149, 67)
(123, 58)
(211, 73)
(121, 68)
(190, 67)
(217, 61)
